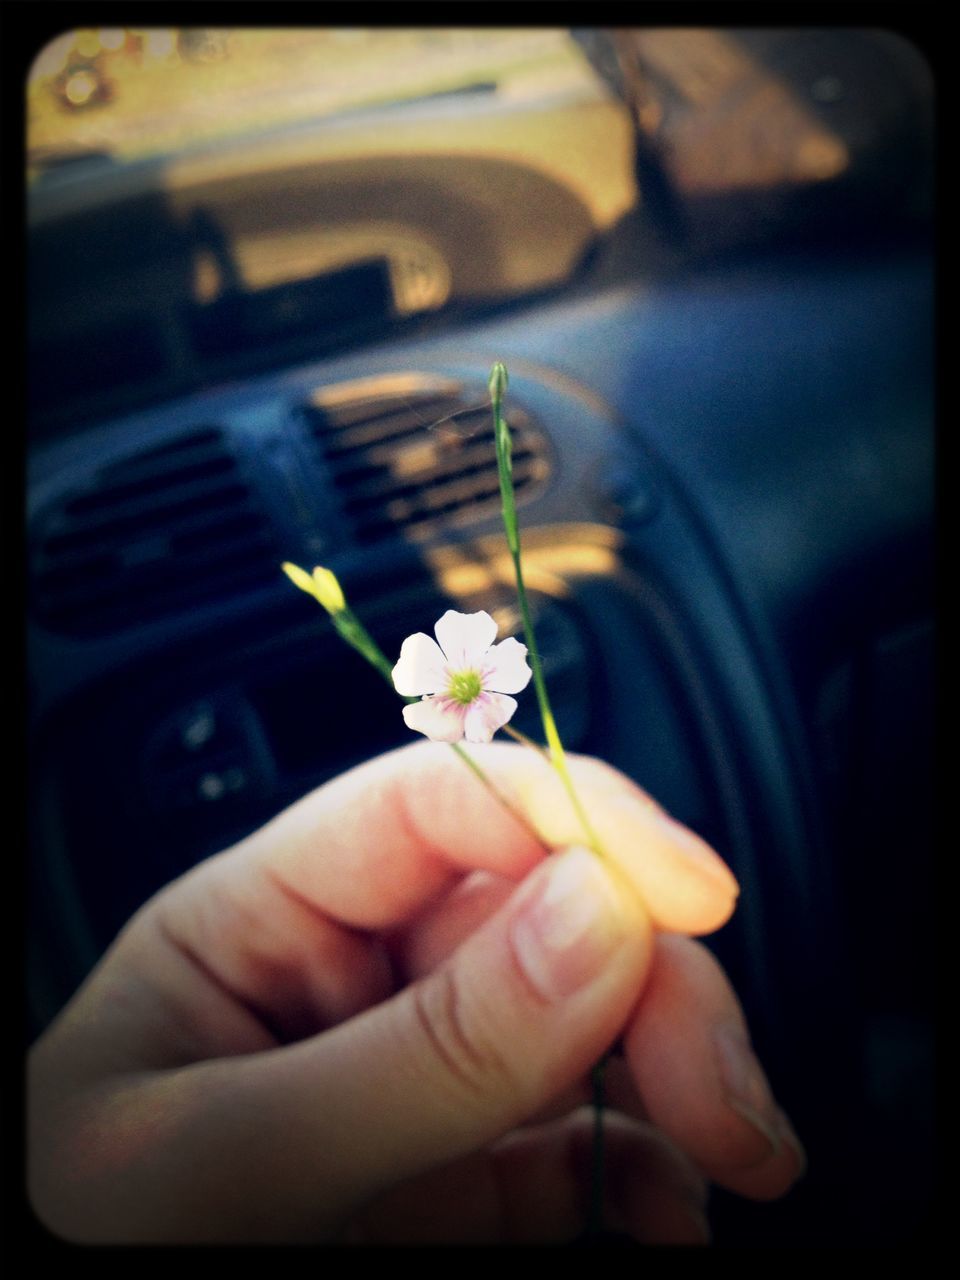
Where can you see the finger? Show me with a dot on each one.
(246, 951)
(534, 1187)
(620, 1095)
(312, 1131)
(442, 926)
(518, 1013)
(269, 941)
(685, 885)
(272, 939)
(650, 1190)
(689, 1052)
(446, 924)
(374, 846)
(377, 844)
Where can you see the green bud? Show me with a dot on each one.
(498, 382)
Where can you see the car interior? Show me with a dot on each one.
(705, 256)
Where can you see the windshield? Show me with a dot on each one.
(204, 200)
(133, 93)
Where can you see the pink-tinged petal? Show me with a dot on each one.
(487, 714)
(441, 719)
(505, 667)
(465, 638)
(421, 667)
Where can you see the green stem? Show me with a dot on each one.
(595, 1215)
(498, 379)
(527, 742)
(498, 383)
(350, 628)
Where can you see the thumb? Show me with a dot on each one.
(523, 1009)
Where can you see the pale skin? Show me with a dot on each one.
(374, 1021)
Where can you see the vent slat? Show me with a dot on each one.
(91, 590)
(142, 485)
(366, 431)
(416, 464)
(162, 545)
(109, 613)
(425, 456)
(156, 534)
(371, 410)
(176, 513)
(381, 491)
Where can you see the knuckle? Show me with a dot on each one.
(465, 1051)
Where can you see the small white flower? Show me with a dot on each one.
(464, 678)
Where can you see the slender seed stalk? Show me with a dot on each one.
(526, 742)
(324, 587)
(498, 384)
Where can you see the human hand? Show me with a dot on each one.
(373, 1020)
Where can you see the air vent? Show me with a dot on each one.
(413, 456)
(156, 534)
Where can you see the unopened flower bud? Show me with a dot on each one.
(322, 584)
(328, 590)
(498, 381)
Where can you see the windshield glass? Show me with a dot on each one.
(201, 200)
(133, 93)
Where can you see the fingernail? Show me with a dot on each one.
(697, 850)
(789, 1135)
(745, 1084)
(565, 931)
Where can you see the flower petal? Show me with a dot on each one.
(421, 667)
(441, 719)
(465, 637)
(505, 668)
(486, 714)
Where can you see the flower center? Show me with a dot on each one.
(464, 687)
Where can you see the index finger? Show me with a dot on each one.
(374, 846)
